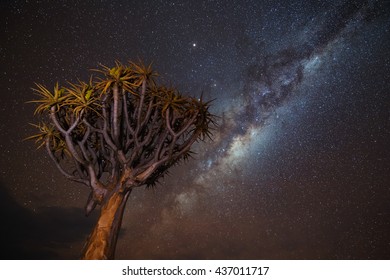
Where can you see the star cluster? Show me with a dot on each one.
(299, 163)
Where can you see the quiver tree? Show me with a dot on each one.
(114, 133)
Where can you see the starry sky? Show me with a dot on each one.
(299, 167)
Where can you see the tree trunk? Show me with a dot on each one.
(101, 242)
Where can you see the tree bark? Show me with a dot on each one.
(101, 242)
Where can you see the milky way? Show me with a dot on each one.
(272, 79)
(298, 166)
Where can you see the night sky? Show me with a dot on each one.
(300, 163)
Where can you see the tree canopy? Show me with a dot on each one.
(120, 129)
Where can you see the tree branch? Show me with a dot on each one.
(55, 120)
(126, 115)
(59, 167)
(116, 113)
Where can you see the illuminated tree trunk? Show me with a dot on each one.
(102, 241)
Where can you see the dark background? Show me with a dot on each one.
(299, 166)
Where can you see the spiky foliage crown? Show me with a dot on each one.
(119, 130)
